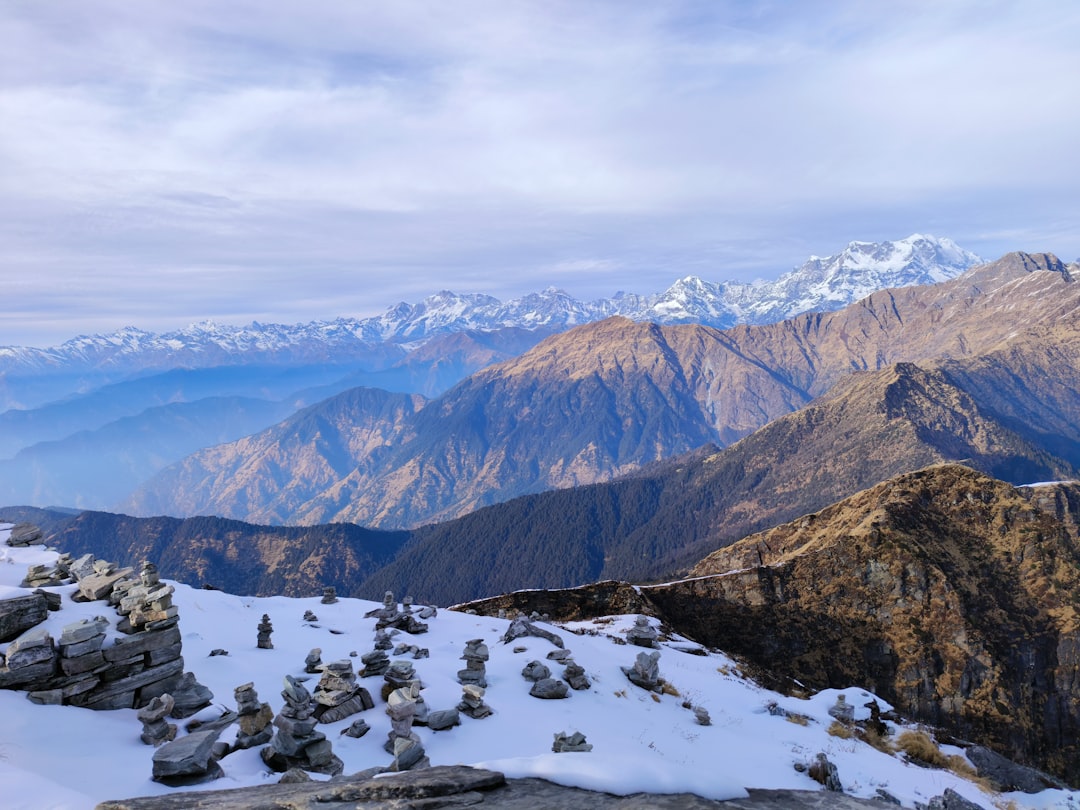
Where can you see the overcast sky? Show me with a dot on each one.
(167, 162)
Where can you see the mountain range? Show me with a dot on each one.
(609, 398)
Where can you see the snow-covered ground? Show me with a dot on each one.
(66, 757)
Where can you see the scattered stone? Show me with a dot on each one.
(574, 674)
(428, 612)
(521, 627)
(313, 662)
(296, 743)
(645, 672)
(472, 702)
(549, 689)
(573, 743)
(189, 696)
(824, 773)
(265, 628)
(188, 760)
(535, 671)
(443, 719)
(43, 576)
(561, 656)
(358, 728)
(701, 716)
(217, 651)
(642, 633)
(951, 800)
(310, 617)
(842, 711)
(254, 718)
(475, 657)
(156, 730)
(329, 595)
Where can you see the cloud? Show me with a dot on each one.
(482, 145)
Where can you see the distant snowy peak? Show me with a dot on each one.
(820, 284)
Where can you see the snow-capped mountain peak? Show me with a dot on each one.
(819, 284)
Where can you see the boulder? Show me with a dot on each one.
(188, 760)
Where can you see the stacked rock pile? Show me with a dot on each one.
(337, 695)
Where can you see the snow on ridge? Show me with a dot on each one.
(641, 742)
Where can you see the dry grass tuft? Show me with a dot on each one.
(875, 740)
(921, 750)
(838, 729)
(669, 689)
(797, 719)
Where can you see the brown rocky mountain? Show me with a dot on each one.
(603, 400)
(949, 593)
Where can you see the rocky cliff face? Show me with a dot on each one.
(949, 592)
(608, 398)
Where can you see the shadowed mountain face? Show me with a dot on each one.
(949, 593)
(609, 398)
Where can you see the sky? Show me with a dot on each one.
(166, 163)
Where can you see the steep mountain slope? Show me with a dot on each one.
(284, 467)
(608, 398)
(947, 591)
(874, 426)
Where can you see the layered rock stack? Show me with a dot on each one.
(645, 672)
(642, 633)
(142, 661)
(475, 657)
(25, 534)
(253, 716)
(570, 742)
(402, 741)
(264, 630)
(337, 695)
(156, 729)
(472, 701)
(297, 744)
(329, 596)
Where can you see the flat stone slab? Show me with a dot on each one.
(461, 786)
(21, 613)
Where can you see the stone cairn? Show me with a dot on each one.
(701, 716)
(337, 694)
(265, 628)
(475, 657)
(399, 675)
(254, 718)
(842, 711)
(402, 742)
(309, 616)
(383, 640)
(645, 672)
(329, 595)
(156, 730)
(472, 701)
(83, 667)
(313, 662)
(570, 742)
(413, 650)
(642, 633)
(573, 673)
(389, 616)
(297, 744)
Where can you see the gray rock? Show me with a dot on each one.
(82, 567)
(20, 613)
(951, 800)
(573, 743)
(549, 689)
(642, 633)
(521, 627)
(98, 586)
(842, 711)
(443, 719)
(574, 674)
(190, 696)
(358, 728)
(25, 534)
(645, 672)
(188, 760)
(535, 671)
(1008, 775)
